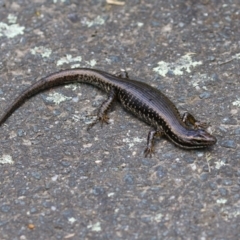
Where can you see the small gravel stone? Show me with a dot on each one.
(47, 204)
(237, 131)
(213, 185)
(215, 77)
(236, 197)
(145, 162)
(223, 192)
(211, 58)
(238, 173)
(36, 175)
(161, 172)
(229, 144)
(229, 120)
(128, 179)
(205, 95)
(22, 192)
(73, 17)
(65, 163)
(20, 132)
(5, 208)
(189, 160)
(227, 182)
(98, 190)
(69, 213)
(181, 24)
(33, 210)
(204, 176)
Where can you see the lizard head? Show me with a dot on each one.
(201, 138)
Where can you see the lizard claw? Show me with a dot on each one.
(102, 119)
(201, 125)
(148, 151)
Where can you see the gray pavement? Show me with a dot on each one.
(59, 181)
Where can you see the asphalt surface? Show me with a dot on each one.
(59, 181)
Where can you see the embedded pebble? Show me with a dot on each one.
(229, 144)
(205, 95)
(128, 179)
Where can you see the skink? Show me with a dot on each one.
(144, 101)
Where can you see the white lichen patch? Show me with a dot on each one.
(184, 63)
(43, 51)
(77, 65)
(10, 31)
(95, 227)
(86, 119)
(72, 220)
(235, 214)
(221, 201)
(158, 217)
(76, 61)
(57, 98)
(92, 63)
(232, 211)
(99, 20)
(68, 59)
(6, 159)
(132, 141)
(219, 164)
(12, 18)
(237, 56)
(237, 102)
(198, 78)
(193, 166)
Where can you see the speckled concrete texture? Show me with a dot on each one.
(60, 181)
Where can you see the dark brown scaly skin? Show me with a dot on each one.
(144, 101)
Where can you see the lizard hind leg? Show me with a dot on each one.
(102, 116)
